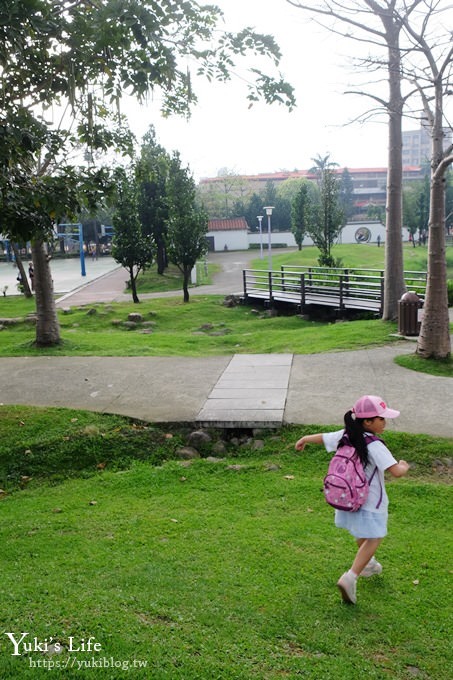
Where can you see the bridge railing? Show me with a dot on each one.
(415, 280)
(342, 288)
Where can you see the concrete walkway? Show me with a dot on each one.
(234, 391)
(251, 391)
(228, 391)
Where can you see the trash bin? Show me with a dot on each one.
(408, 314)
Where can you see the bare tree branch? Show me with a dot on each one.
(371, 96)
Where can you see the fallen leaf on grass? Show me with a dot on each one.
(289, 477)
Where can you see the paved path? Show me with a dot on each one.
(111, 286)
(319, 389)
(235, 390)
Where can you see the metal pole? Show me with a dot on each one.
(260, 219)
(269, 238)
(82, 254)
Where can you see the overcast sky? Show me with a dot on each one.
(224, 133)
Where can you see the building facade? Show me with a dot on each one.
(369, 185)
(417, 145)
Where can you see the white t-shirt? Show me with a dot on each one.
(379, 457)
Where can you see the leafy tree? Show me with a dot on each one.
(131, 247)
(410, 212)
(346, 194)
(376, 212)
(253, 208)
(301, 211)
(79, 58)
(326, 219)
(151, 173)
(187, 223)
(281, 215)
(229, 195)
(416, 209)
(270, 194)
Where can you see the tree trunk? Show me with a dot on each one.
(161, 256)
(394, 285)
(434, 339)
(133, 285)
(185, 285)
(47, 326)
(23, 275)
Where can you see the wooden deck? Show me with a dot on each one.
(343, 289)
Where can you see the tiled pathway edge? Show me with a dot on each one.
(251, 392)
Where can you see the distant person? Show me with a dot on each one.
(368, 524)
(31, 274)
(378, 240)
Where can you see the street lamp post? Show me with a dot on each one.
(269, 210)
(260, 219)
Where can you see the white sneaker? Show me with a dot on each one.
(347, 585)
(373, 567)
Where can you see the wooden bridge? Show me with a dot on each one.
(343, 289)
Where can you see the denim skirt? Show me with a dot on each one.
(363, 523)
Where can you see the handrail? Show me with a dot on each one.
(316, 285)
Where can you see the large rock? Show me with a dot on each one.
(198, 438)
(135, 317)
(186, 453)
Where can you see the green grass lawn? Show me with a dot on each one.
(150, 281)
(204, 326)
(356, 256)
(203, 571)
(200, 328)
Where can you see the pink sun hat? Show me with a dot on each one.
(371, 406)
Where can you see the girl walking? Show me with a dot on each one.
(368, 525)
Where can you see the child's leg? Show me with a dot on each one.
(367, 548)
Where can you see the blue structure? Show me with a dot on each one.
(79, 235)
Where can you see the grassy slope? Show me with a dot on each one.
(207, 572)
(178, 330)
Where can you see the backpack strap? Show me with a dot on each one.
(380, 485)
(373, 438)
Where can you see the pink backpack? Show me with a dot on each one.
(345, 485)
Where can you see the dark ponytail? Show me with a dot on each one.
(354, 433)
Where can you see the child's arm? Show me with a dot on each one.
(399, 469)
(308, 439)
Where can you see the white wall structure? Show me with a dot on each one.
(286, 237)
(230, 234)
(363, 232)
(233, 240)
(237, 237)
